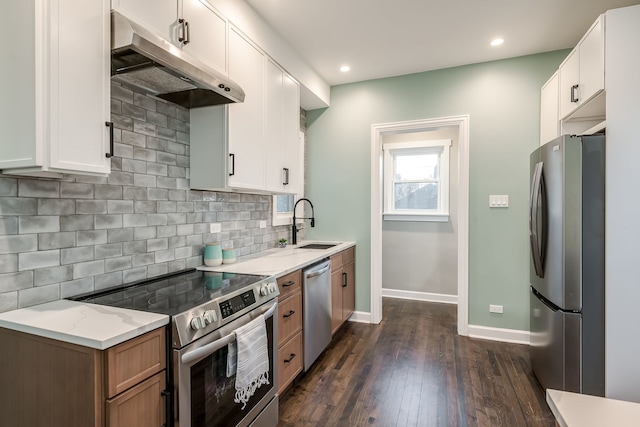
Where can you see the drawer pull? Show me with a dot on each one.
(289, 283)
(344, 280)
(291, 313)
(291, 357)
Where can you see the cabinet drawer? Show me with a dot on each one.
(348, 255)
(290, 321)
(336, 262)
(289, 362)
(290, 283)
(342, 258)
(141, 406)
(135, 360)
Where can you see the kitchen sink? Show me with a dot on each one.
(318, 246)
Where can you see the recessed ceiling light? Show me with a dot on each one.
(497, 42)
(345, 68)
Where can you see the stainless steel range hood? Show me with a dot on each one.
(145, 62)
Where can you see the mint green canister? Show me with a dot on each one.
(228, 256)
(212, 255)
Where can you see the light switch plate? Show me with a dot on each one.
(263, 224)
(499, 201)
(215, 227)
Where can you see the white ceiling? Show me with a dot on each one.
(382, 38)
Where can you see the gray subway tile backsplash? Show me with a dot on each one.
(60, 238)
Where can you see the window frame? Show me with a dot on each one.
(282, 218)
(393, 149)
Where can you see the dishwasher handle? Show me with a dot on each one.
(318, 272)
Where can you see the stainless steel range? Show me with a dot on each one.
(206, 308)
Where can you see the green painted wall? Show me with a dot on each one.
(502, 99)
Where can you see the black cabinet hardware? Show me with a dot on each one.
(110, 126)
(233, 164)
(291, 357)
(291, 313)
(184, 26)
(574, 93)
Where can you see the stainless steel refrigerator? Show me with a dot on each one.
(566, 229)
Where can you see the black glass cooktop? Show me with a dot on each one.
(172, 294)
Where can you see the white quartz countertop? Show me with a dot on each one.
(89, 325)
(582, 410)
(280, 261)
(101, 327)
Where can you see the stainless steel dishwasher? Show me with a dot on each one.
(317, 310)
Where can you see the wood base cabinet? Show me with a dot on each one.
(56, 384)
(343, 289)
(290, 356)
(139, 406)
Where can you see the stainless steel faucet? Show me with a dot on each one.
(294, 228)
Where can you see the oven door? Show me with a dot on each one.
(204, 392)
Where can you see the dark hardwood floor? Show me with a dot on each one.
(414, 370)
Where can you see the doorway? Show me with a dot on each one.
(380, 132)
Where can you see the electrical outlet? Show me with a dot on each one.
(495, 309)
(215, 227)
(263, 224)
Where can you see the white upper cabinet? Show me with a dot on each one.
(281, 131)
(193, 25)
(246, 119)
(276, 170)
(54, 106)
(253, 145)
(582, 76)
(292, 149)
(227, 141)
(206, 32)
(161, 16)
(549, 124)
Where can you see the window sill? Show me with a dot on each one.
(440, 217)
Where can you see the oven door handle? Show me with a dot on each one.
(204, 351)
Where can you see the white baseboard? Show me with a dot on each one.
(515, 336)
(420, 296)
(360, 317)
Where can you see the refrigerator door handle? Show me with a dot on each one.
(537, 230)
(551, 306)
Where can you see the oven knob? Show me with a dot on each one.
(272, 287)
(264, 290)
(210, 316)
(198, 323)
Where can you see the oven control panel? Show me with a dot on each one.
(237, 303)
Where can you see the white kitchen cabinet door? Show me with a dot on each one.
(246, 119)
(274, 130)
(61, 116)
(569, 80)
(161, 16)
(549, 123)
(80, 90)
(592, 63)
(282, 127)
(582, 75)
(293, 146)
(207, 34)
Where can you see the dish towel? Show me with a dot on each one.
(252, 365)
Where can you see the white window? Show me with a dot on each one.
(283, 209)
(416, 181)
